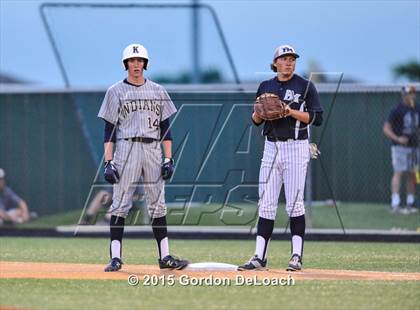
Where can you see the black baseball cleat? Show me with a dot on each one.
(295, 263)
(170, 262)
(254, 264)
(114, 265)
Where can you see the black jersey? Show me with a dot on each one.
(301, 95)
(405, 121)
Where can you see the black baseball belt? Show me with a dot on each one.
(141, 139)
(276, 139)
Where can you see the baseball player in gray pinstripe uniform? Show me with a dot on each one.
(286, 156)
(136, 112)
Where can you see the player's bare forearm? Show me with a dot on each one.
(391, 135)
(4, 216)
(24, 210)
(101, 199)
(108, 150)
(388, 132)
(299, 115)
(167, 148)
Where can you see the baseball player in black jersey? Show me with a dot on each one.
(286, 156)
(403, 129)
(136, 112)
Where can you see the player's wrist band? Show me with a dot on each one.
(167, 160)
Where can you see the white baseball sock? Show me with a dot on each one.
(116, 249)
(261, 248)
(164, 247)
(410, 199)
(297, 245)
(395, 200)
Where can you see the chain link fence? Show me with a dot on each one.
(51, 150)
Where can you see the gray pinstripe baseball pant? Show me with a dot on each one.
(135, 160)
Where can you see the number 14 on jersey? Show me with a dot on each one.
(154, 124)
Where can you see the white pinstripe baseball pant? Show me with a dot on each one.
(283, 163)
(135, 160)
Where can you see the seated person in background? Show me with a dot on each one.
(101, 202)
(13, 209)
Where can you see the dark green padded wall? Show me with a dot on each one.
(51, 147)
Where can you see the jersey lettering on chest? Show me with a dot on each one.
(291, 96)
(137, 105)
(410, 123)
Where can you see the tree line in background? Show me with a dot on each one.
(409, 71)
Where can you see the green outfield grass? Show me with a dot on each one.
(326, 255)
(354, 216)
(70, 294)
(113, 294)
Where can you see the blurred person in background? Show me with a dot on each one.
(101, 201)
(403, 129)
(13, 209)
(100, 204)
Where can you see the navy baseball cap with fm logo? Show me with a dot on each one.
(283, 50)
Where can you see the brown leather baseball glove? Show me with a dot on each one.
(269, 107)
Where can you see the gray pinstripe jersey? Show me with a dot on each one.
(136, 110)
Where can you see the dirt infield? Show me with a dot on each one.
(20, 270)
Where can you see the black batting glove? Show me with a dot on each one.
(110, 172)
(167, 168)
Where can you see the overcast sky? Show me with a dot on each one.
(362, 39)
